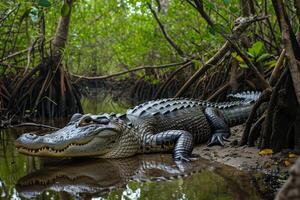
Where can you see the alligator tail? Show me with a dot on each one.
(239, 114)
(246, 96)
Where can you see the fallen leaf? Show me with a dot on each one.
(292, 155)
(265, 152)
(286, 163)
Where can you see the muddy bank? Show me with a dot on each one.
(244, 157)
(271, 170)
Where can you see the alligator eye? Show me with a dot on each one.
(86, 121)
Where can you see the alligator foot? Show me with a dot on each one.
(218, 139)
(220, 128)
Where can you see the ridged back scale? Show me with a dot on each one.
(171, 114)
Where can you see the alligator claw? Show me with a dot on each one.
(217, 139)
(182, 158)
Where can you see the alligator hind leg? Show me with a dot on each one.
(181, 142)
(220, 129)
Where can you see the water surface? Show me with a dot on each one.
(139, 177)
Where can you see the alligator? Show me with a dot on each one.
(164, 125)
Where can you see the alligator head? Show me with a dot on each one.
(85, 135)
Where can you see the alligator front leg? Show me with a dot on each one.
(178, 141)
(220, 129)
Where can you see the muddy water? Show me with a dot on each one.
(139, 177)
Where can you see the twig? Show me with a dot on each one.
(167, 82)
(163, 30)
(21, 52)
(211, 62)
(9, 13)
(124, 72)
(219, 91)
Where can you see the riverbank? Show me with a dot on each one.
(246, 158)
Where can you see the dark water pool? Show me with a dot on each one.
(139, 177)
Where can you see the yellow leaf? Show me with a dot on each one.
(292, 155)
(286, 163)
(266, 152)
(237, 57)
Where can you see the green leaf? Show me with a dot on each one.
(233, 9)
(244, 66)
(250, 55)
(44, 3)
(210, 5)
(34, 14)
(256, 49)
(263, 57)
(211, 30)
(270, 64)
(65, 9)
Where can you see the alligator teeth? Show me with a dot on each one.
(34, 151)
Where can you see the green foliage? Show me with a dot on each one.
(110, 36)
(256, 49)
(44, 3)
(258, 55)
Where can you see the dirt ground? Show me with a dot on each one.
(246, 158)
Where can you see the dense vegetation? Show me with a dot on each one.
(194, 48)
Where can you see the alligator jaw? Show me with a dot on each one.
(48, 151)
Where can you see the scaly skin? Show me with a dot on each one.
(156, 126)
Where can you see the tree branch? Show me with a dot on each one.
(240, 26)
(163, 30)
(124, 72)
(291, 45)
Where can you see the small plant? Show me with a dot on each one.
(259, 56)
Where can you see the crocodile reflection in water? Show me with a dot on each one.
(99, 176)
(94, 178)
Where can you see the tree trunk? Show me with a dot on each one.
(61, 35)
